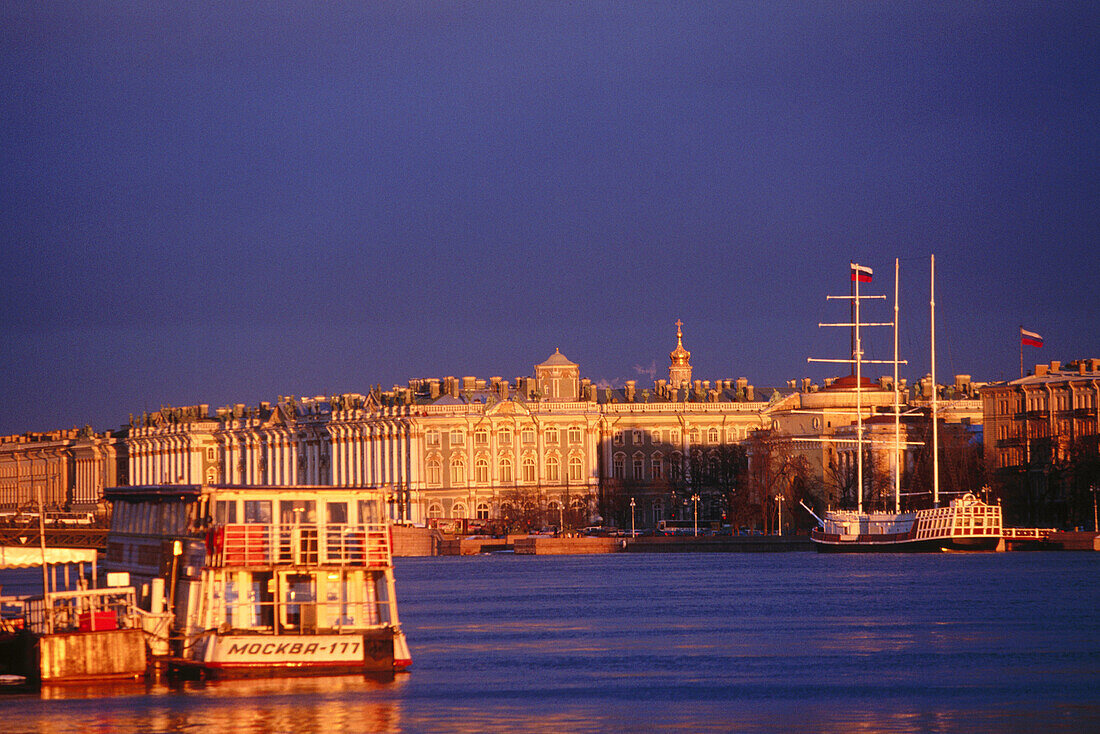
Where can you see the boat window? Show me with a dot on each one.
(257, 511)
(296, 512)
(225, 512)
(337, 513)
(368, 511)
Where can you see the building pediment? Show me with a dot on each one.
(507, 407)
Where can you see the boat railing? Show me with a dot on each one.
(82, 610)
(1028, 533)
(253, 544)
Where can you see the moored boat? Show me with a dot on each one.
(966, 524)
(263, 580)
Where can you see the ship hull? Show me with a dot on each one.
(826, 544)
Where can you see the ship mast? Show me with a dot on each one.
(857, 361)
(935, 406)
(898, 456)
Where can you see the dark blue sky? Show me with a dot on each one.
(225, 203)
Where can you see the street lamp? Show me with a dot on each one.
(695, 500)
(632, 506)
(779, 499)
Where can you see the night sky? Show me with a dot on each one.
(230, 202)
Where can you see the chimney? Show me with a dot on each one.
(1040, 370)
(1055, 366)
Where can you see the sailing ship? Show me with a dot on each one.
(966, 523)
(263, 580)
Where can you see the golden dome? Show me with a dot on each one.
(679, 355)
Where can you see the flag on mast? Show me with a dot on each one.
(861, 273)
(1030, 338)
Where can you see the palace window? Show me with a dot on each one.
(528, 466)
(636, 437)
(576, 469)
(431, 438)
(435, 475)
(458, 471)
(435, 511)
(617, 438)
(458, 510)
(712, 436)
(481, 470)
(504, 436)
(481, 437)
(552, 469)
(552, 436)
(528, 435)
(458, 438)
(637, 465)
(574, 434)
(655, 466)
(618, 466)
(482, 511)
(505, 469)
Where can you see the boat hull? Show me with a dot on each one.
(250, 656)
(836, 544)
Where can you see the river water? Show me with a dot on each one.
(686, 642)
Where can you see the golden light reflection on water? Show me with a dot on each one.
(324, 704)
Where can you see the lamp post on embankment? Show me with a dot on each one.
(632, 506)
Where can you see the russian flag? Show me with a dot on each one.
(1030, 338)
(861, 273)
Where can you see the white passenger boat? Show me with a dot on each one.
(263, 580)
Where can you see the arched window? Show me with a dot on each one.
(553, 469)
(458, 471)
(458, 510)
(435, 511)
(712, 436)
(637, 466)
(618, 466)
(574, 434)
(528, 466)
(482, 511)
(693, 436)
(481, 470)
(576, 469)
(504, 436)
(435, 475)
(552, 436)
(505, 469)
(481, 437)
(656, 465)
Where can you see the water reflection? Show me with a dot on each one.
(322, 704)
